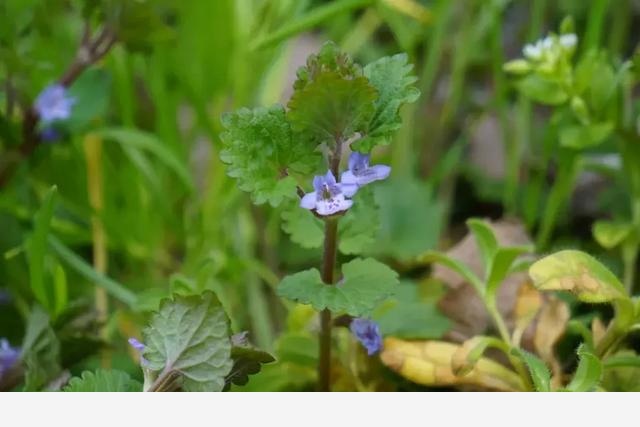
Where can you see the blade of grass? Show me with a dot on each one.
(115, 289)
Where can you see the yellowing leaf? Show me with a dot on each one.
(577, 272)
(429, 363)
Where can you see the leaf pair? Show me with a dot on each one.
(364, 285)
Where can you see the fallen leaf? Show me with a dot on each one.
(429, 363)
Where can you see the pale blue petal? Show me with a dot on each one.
(309, 200)
(333, 205)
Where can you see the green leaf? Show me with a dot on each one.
(392, 78)
(36, 248)
(610, 234)
(103, 381)
(40, 351)
(92, 93)
(60, 289)
(542, 90)
(588, 374)
(332, 99)
(247, 360)
(580, 137)
(303, 227)
(578, 272)
(485, 239)
(189, 335)
(357, 230)
(501, 264)
(537, 369)
(408, 315)
(141, 140)
(261, 151)
(365, 284)
(410, 218)
(456, 266)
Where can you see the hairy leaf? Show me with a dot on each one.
(578, 272)
(261, 151)
(103, 381)
(365, 283)
(190, 335)
(537, 369)
(392, 78)
(589, 372)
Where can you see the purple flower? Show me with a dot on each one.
(139, 347)
(368, 333)
(53, 103)
(360, 173)
(8, 356)
(328, 197)
(49, 134)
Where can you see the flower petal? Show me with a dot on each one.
(309, 200)
(348, 183)
(333, 205)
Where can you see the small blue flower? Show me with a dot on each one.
(368, 333)
(8, 356)
(328, 197)
(360, 173)
(49, 134)
(53, 103)
(139, 347)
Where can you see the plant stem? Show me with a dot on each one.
(328, 268)
(93, 156)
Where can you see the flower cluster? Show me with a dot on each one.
(550, 47)
(368, 333)
(8, 356)
(330, 197)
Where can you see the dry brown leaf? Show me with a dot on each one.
(551, 325)
(528, 303)
(597, 330)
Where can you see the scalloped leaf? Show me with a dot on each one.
(393, 79)
(365, 283)
(577, 272)
(190, 335)
(332, 107)
(261, 151)
(328, 60)
(103, 381)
